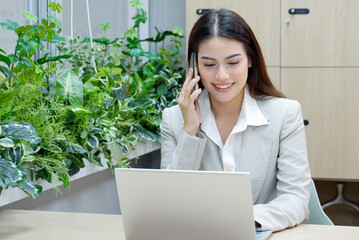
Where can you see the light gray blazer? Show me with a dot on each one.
(275, 155)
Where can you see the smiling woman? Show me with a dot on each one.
(240, 122)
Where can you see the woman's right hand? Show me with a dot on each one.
(187, 101)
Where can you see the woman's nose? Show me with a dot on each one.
(222, 74)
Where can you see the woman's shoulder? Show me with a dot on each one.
(277, 107)
(275, 102)
(172, 111)
(172, 120)
(172, 114)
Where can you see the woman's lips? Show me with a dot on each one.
(223, 87)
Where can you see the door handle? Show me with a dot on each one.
(298, 11)
(306, 122)
(201, 11)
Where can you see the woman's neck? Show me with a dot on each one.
(231, 108)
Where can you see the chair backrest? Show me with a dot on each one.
(317, 215)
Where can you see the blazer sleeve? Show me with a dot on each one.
(178, 149)
(290, 207)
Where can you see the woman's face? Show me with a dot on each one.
(223, 65)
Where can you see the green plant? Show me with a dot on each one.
(23, 105)
(130, 88)
(78, 113)
(18, 141)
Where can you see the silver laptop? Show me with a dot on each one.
(191, 205)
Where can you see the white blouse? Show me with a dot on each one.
(250, 115)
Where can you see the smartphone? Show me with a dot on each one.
(194, 67)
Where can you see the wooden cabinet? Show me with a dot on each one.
(326, 37)
(329, 100)
(313, 58)
(320, 68)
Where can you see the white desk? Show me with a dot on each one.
(22, 224)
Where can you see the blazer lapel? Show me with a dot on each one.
(255, 156)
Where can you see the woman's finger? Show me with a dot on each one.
(188, 78)
(192, 83)
(195, 94)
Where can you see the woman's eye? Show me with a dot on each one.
(209, 64)
(233, 63)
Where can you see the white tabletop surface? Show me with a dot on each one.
(41, 225)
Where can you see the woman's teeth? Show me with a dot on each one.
(223, 86)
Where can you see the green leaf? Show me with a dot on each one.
(76, 112)
(6, 71)
(15, 154)
(6, 142)
(96, 130)
(53, 148)
(161, 36)
(5, 59)
(75, 148)
(140, 104)
(105, 26)
(56, 7)
(137, 86)
(49, 37)
(99, 74)
(136, 3)
(96, 160)
(65, 179)
(70, 88)
(104, 41)
(43, 174)
(89, 87)
(30, 148)
(162, 89)
(178, 31)
(6, 96)
(8, 24)
(19, 30)
(116, 71)
(10, 174)
(137, 52)
(147, 135)
(16, 130)
(29, 16)
(77, 161)
(32, 46)
(92, 141)
(44, 22)
(58, 39)
(53, 59)
(27, 62)
(123, 146)
(31, 189)
(52, 25)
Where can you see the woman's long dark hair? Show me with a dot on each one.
(228, 24)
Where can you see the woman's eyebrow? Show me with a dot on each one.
(231, 56)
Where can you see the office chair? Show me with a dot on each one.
(317, 215)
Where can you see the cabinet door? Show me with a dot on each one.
(263, 16)
(329, 99)
(327, 36)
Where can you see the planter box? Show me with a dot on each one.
(14, 194)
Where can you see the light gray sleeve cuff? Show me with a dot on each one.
(189, 151)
